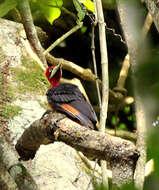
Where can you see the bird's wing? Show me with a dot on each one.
(69, 100)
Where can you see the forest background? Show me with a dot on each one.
(130, 100)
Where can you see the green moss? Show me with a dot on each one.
(10, 94)
(1, 77)
(30, 77)
(9, 111)
(3, 56)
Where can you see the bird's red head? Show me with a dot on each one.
(53, 74)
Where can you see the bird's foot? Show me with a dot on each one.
(46, 113)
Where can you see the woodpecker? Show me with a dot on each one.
(68, 99)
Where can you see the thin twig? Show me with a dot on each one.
(63, 37)
(95, 66)
(97, 86)
(105, 79)
(30, 30)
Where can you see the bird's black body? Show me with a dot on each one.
(68, 99)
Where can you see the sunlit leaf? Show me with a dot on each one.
(50, 9)
(114, 120)
(81, 13)
(127, 109)
(88, 4)
(122, 126)
(6, 6)
(83, 29)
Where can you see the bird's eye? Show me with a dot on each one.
(50, 70)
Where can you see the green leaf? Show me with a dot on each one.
(83, 29)
(50, 9)
(6, 6)
(88, 4)
(127, 109)
(81, 13)
(122, 126)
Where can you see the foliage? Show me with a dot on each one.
(50, 9)
(88, 4)
(6, 6)
(81, 13)
(9, 111)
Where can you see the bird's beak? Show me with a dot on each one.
(55, 70)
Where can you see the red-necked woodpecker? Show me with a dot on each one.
(68, 99)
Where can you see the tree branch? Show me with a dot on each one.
(56, 126)
(59, 40)
(95, 65)
(105, 79)
(85, 74)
